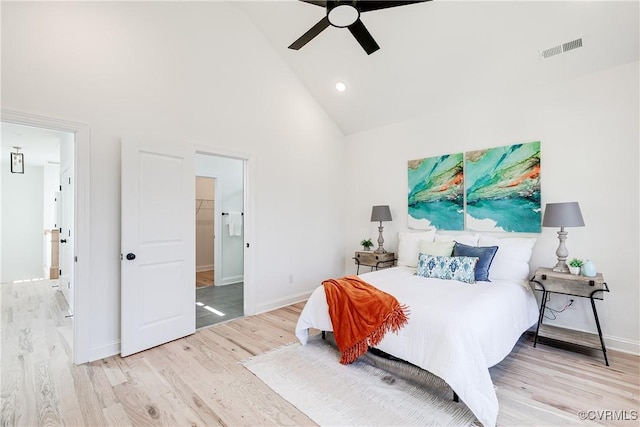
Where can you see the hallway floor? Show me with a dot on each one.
(227, 300)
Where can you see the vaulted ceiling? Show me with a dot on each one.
(442, 53)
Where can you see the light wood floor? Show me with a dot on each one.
(204, 278)
(197, 381)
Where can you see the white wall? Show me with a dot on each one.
(22, 227)
(51, 185)
(170, 71)
(588, 128)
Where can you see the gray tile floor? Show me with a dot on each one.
(228, 299)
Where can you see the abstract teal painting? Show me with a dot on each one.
(436, 193)
(503, 188)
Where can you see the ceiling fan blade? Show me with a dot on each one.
(363, 36)
(309, 35)
(368, 5)
(321, 3)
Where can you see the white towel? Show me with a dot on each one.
(234, 221)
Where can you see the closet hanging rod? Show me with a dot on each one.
(227, 213)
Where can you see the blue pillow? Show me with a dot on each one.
(448, 268)
(485, 253)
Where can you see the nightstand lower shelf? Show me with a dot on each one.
(569, 336)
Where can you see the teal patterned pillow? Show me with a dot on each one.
(461, 268)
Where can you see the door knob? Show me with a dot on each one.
(63, 240)
(131, 256)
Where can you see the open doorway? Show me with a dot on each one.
(37, 221)
(219, 239)
(81, 332)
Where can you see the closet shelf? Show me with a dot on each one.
(206, 204)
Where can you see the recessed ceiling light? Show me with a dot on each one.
(341, 87)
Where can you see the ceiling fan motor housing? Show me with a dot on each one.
(342, 14)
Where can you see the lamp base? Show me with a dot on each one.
(562, 253)
(380, 249)
(561, 267)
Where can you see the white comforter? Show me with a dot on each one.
(456, 331)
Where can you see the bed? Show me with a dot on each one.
(456, 330)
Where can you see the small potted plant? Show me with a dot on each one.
(574, 265)
(366, 244)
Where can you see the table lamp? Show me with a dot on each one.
(380, 213)
(566, 214)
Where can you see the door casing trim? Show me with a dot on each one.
(82, 177)
(248, 168)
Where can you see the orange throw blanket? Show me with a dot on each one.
(361, 315)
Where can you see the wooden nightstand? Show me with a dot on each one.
(549, 281)
(375, 260)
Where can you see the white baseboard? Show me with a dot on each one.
(282, 302)
(622, 344)
(201, 268)
(230, 280)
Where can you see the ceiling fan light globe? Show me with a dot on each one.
(343, 15)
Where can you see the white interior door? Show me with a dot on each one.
(66, 263)
(158, 244)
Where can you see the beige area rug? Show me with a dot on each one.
(372, 391)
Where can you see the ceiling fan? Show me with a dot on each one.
(346, 14)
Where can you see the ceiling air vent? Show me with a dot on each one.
(572, 45)
(564, 47)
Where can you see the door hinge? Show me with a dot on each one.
(69, 180)
(75, 258)
(61, 188)
(61, 229)
(60, 272)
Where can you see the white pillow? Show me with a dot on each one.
(436, 248)
(511, 261)
(465, 239)
(409, 246)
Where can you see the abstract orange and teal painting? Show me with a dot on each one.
(436, 192)
(503, 188)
